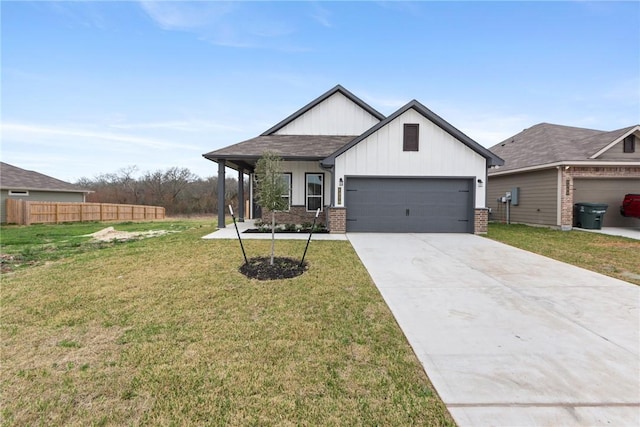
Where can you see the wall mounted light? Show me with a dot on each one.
(341, 182)
(480, 183)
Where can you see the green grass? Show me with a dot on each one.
(26, 246)
(610, 255)
(166, 331)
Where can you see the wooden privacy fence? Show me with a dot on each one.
(25, 212)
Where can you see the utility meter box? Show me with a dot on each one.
(515, 196)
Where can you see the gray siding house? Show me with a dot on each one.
(17, 183)
(409, 172)
(553, 167)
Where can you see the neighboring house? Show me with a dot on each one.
(556, 166)
(17, 183)
(409, 172)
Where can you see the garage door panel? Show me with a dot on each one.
(424, 205)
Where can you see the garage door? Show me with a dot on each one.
(609, 191)
(417, 205)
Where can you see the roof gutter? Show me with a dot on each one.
(564, 163)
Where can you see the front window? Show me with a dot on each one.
(315, 187)
(286, 177)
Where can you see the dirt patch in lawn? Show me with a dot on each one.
(283, 268)
(108, 234)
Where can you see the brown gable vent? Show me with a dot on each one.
(411, 137)
(629, 144)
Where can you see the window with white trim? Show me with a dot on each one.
(315, 190)
(22, 193)
(286, 177)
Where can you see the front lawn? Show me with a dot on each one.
(167, 331)
(610, 255)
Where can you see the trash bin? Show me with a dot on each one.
(589, 215)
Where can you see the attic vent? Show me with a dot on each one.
(410, 140)
(629, 144)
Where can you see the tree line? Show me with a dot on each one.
(178, 190)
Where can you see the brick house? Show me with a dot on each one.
(409, 172)
(551, 167)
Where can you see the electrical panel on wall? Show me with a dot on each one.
(515, 196)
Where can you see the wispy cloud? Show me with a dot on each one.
(65, 136)
(186, 15)
(178, 125)
(320, 14)
(257, 25)
(85, 13)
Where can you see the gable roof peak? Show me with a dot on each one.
(336, 89)
(429, 115)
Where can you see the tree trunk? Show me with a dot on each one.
(273, 234)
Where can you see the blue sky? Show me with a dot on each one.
(92, 87)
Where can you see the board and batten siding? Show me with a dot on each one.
(298, 171)
(538, 197)
(439, 155)
(336, 115)
(38, 196)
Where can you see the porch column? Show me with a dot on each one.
(240, 194)
(221, 191)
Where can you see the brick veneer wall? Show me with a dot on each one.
(295, 215)
(566, 205)
(338, 220)
(481, 221)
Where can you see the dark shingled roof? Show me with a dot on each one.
(547, 143)
(15, 178)
(288, 147)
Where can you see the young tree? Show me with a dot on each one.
(271, 186)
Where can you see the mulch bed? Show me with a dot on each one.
(283, 268)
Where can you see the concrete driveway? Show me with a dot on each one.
(510, 338)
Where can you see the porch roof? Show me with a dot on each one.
(245, 154)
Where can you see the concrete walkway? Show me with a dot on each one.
(629, 232)
(229, 232)
(508, 337)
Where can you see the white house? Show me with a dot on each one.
(409, 172)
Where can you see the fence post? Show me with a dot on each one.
(26, 213)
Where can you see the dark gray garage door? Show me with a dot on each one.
(417, 205)
(610, 191)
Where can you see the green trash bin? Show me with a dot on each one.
(589, 215)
